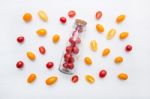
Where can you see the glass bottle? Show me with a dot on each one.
(67, 64)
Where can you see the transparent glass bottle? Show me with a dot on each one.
(67, 64)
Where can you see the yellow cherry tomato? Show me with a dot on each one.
(88, 60)
(100, 28)
(31, 78)
(123, 35)
(31, 55)
(120, 18)
(90, 79)
(56, 38)
(41, 32)
(27, 17)
(123, 76)
(105, 52)
(111, 33)
(118, 59)
(51, 80)
(43, 16)
(94, 45)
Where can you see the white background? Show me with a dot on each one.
(136, 64)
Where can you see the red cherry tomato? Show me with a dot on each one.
(128, 48)
(75, 50)
(67, 56)
(42, 49)
(102, 73)
(75, 79)
(69, 49)
(63, 20)
(50, 65)
(71, 13)
(98, 15)
(73, 43)
(70, 65)
(20, 39)
(65, 65)
(19, 64)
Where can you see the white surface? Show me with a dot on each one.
(13, 81)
